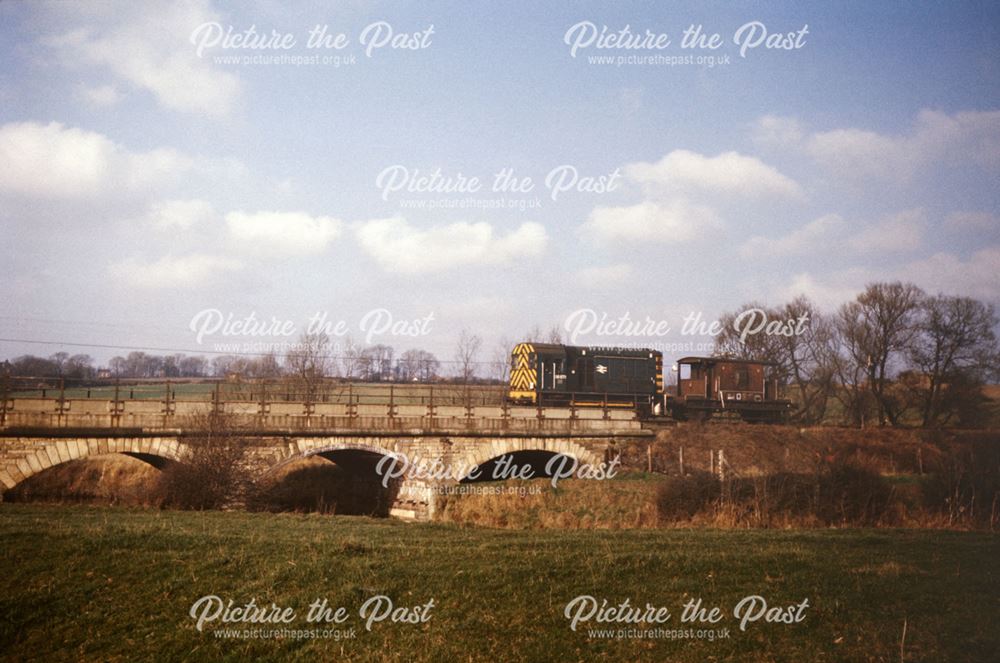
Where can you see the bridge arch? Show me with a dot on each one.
(324, 447)
(17, 466)
(497, 448)
(349, 483)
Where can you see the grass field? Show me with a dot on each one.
(85, 583)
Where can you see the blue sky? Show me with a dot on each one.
(141, 184)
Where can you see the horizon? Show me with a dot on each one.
(150, 171)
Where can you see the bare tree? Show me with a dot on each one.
(533, 335)
(379, 362)
(807, 359)
(60, 359)
(212, 472)
(500, 360)
(536, 335)
(955, 350)
(428, 366)
(417, 365)
(731, 343)
(877, 328)
(466, 353)
(268, 366)
(800, 354)
(350, 359)
(193, 367)
(309, 363)
(80, 366)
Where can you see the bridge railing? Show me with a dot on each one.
(287, 389)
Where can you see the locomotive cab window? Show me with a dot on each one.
(685, 371)
(742, 377)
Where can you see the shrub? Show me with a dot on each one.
(852, 494)
(212, 473)
(680, 498)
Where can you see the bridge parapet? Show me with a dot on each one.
(171, 415)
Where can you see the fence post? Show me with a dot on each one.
(62, 400)
(167, 407)
(4, 390)
(680, 459)
(116, 406)
(263, 399)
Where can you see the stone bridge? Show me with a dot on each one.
(37, 434)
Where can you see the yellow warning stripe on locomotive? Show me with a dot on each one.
(659, 373)
(523, 375)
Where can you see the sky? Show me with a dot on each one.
(434, 167)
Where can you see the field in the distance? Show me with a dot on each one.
(85, 583)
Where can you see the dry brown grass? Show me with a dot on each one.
(114, 479)
(574, 504)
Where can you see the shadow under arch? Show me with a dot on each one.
(543, 459)
(159, 462)
(340, 479)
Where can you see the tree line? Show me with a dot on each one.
(893, 355)
(312, 357)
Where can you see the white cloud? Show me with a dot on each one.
(947, 273)
(944, 272)
(170, 272)
(102, 96)
(51, 159)
(147, 47)
(399, 247)
(729, 173)
(180, 214)
(285, 233)
(971, 137)
(813, 236)
(676, 221)
(60, 161)
(596, 277)
(899, 232)
(903, 231)
(777, 132)
(857, 154)
(975, 221)
(828, 293)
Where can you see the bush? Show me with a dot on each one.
(212, 473)
(851, 494)
(680, 498)
(966, 487)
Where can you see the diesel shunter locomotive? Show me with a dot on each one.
(548, 374)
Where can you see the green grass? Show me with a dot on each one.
(106, 584)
